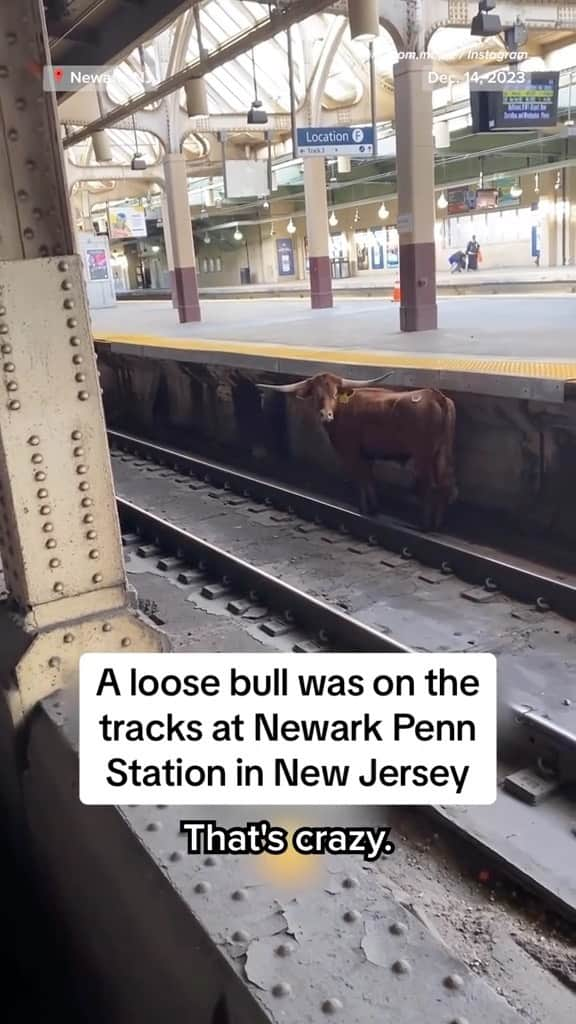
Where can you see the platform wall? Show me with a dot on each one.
(515, 459)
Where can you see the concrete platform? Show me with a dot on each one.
(491, 281)
(496, 340)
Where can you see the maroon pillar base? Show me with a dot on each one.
(320, 283)
(418, 309)
(186, 293)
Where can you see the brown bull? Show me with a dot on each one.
(366, 423)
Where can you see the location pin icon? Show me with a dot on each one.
(58, 74)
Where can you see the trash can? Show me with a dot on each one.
(244, 275)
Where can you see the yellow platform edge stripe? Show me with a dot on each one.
(565, 371)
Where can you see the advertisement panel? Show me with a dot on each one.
(127, 222)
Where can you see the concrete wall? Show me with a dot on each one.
(515, 459)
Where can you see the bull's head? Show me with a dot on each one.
(324, 391)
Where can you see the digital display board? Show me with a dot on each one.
(487, 198)
(514, 101)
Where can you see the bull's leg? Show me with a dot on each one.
(426, 492)
(361, 472)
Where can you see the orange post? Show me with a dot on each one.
(396, 293)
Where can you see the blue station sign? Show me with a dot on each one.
(340, 141)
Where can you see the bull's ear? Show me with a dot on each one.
(303, 390)
(345, 394)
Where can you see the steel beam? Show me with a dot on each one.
(59, 532)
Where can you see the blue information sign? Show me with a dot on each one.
(285, 251)
(354, 142)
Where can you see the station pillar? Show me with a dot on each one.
(318, 233)
(59, 530)
(185, 279)
(415, 176)
(168, 246)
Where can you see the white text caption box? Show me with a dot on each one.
(392, 739)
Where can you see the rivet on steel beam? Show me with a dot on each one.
(28, 233)
(211, 861)
(97, 577)
(50, 544)
(80, 378)
(58, 588)
(331, 1006)
(44, 250)
(202, 887)
(125, 641)
(76, 435)
(72, 322)
(30, 165)
(68, 303)
(88, 518)
(36, 458)
(3, 328)
(12, 385)
(153, 826)
(349, 882)
(77, 359)
(66, 286)
(48, 527)
(22, 194)
(13, 135)
(54, 563)
(14, 406)
(40, 476)
(83, 485)
(11, 38)
(460, 1020)
(83, 396)
(81, 469)
(68, 638)
(3, 71)
(86, 502)
(401, 967)
(2, 310)
(45, 510)
(94, 553)
(54, 662)
(91, 535)
(78, 452)
(398, 928)
(350, 916)
(175, 856)
(6, 349)
(240, 894)
(9, 367)
(281, 988)
(454, 981)
(37, 213)
(34, 440)
(240, 936)
(63, 266)
(284, 949)
(106, 628)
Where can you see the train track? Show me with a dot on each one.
(493, 574)
(529, 844)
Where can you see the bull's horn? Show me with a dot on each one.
(280, 387)
(366, 383)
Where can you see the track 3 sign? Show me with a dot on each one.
(356, 142)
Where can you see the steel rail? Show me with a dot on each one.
(340, 631)
(471, 566)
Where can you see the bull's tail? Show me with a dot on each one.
(444, 475)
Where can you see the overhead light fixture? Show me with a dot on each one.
(558, 181)
(363, 16)
(196, 98)
(238, 236)
(536, 182)
(207, 239)
(516, 191)
(102, 148)
(155, 248)
(265, 204)
(333, 220)
(484, 23)
(383, 212)
(291, 227)
(442, 202)
(256, 115)
(357, 215)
